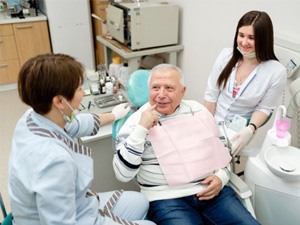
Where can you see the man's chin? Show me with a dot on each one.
(162, 110)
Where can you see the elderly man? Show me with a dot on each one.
(172, 147)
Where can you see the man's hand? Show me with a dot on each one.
(213, 189)
(149, 118)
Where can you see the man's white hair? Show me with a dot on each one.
(166, 67)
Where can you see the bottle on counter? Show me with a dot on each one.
(115, 83)
(102, 71)
(102, 86)
(114, 67)
(109, 86)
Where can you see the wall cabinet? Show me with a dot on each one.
(31, 39)
(18, 43)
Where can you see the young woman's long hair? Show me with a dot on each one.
(264, 42)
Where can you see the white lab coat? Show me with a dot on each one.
(49, 173)
(260, 91)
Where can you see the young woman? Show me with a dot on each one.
(248, 79)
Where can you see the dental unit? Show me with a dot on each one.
(273, 174)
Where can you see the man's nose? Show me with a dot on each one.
(161, 92)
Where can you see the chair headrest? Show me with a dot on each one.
(137, 87)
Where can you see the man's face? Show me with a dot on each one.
(165, 91)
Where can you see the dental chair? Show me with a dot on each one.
(7, 218)
(138, 93)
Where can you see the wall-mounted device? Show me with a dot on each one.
(288, 52)
(140, 25)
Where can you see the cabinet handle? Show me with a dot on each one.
(24, 26)
(3, 65)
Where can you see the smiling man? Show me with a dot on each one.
(172, 147)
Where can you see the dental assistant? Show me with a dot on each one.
(248, 79)
(50, 173)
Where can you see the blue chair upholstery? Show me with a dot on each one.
(137, 87)
(137, 92)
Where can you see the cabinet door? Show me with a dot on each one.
(9, 70)
(9, 58)
(6, 29)
(32, 39)
(8, 49)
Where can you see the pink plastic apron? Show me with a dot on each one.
(188, 147)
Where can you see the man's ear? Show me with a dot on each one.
(57, 102)
(183, 90)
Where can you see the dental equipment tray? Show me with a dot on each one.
(109, 100)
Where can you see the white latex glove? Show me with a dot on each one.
(120, 110)
(240, 140)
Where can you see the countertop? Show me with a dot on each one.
(5, 19)
(105, 131)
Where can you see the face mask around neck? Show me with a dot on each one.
(248, 56)
(73, 114)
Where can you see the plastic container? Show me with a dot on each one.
(114, 67)
(282, 127)
(124, 74)
(109, 88)
(92, 79)
(94, 84)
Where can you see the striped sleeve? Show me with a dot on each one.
(129, 151)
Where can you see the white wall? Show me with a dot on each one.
(207, 26)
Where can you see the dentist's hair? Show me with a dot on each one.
(45, 76)
(263, 38)
(167, 67)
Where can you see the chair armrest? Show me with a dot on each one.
(239, 186)
(7, 220)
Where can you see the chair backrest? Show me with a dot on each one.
(137, 92)
(137, 87)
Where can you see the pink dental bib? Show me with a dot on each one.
(188, 147)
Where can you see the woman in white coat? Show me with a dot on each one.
(50, 173)
(248, 79)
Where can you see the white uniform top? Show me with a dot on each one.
(260, 91)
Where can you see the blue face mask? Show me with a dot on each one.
(249, 56)
(73, 114)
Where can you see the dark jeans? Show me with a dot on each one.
(223, 209)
